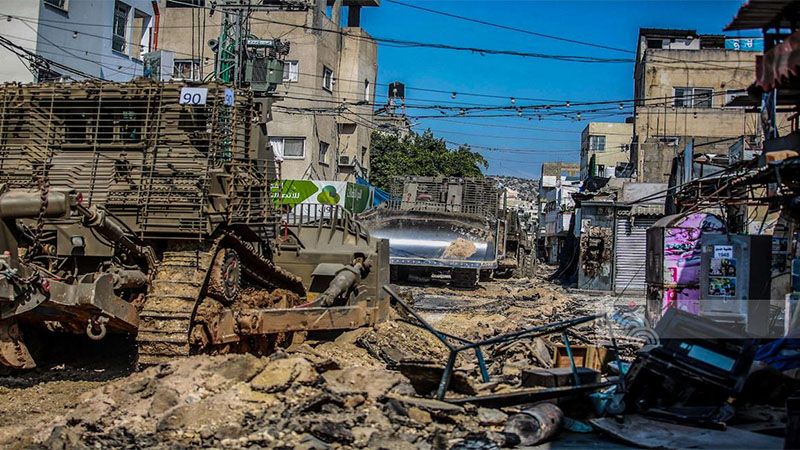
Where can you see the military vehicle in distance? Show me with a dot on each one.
(441, 224)
(143, 208)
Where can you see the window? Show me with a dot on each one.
(43, 75)
(323, 152)
(186, 69)
(688, 97)
(60, 4)
(597, 143)
(292, 148)
(291, 71)
(120, 27)
(731, 94)
(655, 43)
(366, 90)
(140, 38)
(363, 154)
(327, 79)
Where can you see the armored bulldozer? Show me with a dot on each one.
(144, 208)
(441, 224)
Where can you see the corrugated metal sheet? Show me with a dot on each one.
(630, 253)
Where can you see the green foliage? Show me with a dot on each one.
(420, 155)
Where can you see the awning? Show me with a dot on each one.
(647, 209)
(760, 14)
(779, 64)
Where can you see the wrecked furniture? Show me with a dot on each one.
(589, 356)
(646, 433)
(689, 377)
(456, 345)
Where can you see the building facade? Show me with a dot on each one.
(324, 119)
(683, 82)
(111, 48)
(554, 207)
(605, 149)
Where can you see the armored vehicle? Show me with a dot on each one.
(143, 208)
(441, 224)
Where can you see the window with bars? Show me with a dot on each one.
(597, 143)
(120, 27)
(692, 97)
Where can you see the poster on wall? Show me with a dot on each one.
(722, 286)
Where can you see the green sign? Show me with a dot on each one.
(357, 198)
(293, 192)
(353, 197)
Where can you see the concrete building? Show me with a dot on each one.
(110, 48)
(682, 82)
(554, 206)
(605, 149)
(324, 121)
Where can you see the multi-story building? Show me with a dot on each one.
(554, 203)
(605, 149)
(323, 122)
(682, 82)
(111, 47)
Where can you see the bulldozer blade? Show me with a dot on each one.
(434, 239)
(13, 352)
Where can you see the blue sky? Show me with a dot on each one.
(522, 144)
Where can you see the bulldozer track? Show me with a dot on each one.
(179, 285)
(166, 318)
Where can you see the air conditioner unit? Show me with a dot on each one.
(346, 161)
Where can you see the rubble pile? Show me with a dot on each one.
(353, 391)
(287, 400)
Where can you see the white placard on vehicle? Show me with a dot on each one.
(723, 251)
(193, 96)
(229, 97)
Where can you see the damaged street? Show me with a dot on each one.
(365, 388)
(369, 388)
(397, 224)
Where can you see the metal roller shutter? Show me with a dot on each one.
(630, 253)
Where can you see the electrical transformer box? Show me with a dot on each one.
(735, 274)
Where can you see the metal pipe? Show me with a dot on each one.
(114, 231)
(535, 425)
(156, 24)
(344, 280)
(19, 204)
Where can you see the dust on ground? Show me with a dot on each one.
(348, 392)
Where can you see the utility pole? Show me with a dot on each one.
(231, 47)
(243, 60)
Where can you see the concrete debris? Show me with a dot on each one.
(367, 388)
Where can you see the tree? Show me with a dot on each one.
(420, 155)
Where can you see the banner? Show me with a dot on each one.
(352, 197)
